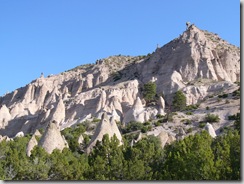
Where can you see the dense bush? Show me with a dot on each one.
(179, 101)
(191, 107)
(149, 91)
(223, 96)
(132, 126)
(212, 118)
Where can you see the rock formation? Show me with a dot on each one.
(161, 104)
(104, 127)
(52, 138)
(163, 137)
(210, 130)
(198, 62)
(32, 143)
(136, 113)
(5, 116)
(58, 113)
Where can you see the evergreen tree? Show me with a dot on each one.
(190, 159)
(106, 160)
(149, 91)
(179, 101)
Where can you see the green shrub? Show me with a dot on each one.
(202, 124)
(237, 93)
(212, 118)
(133, 126)
(144, 129)
(149, 91)
(95, 120)
(223, 96)
(188, 113)
(116, 76)
(157, 123)
(192, 107)
(146, 123)
(179, 101)
(187, 122)
(189, 130)
(158, 116)
(207, 108)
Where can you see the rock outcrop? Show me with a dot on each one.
(58, 113)
(198, 62)
(32, 143)
(52, 138)
(5, 116)
(210, 130)
(104, 127)
(136, 113)
(161, 104)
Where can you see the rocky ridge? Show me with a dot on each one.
(198, 62)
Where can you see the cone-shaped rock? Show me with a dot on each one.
(52, 139)
(32, 143)
(104, 127)
(136, 113)
(59, 112)
(115, 129)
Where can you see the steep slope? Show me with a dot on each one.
(197, 62)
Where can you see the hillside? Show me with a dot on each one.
(199, 63)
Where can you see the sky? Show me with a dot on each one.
(52, 36)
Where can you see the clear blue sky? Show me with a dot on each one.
(52, 36)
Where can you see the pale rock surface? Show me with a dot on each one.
(210, 130)
(88, 81)
(181, 134)
(161, 104)
(194, 94)
(115, 129)
(19, 134)
(104, 127)
(32, 143)
(5, 116)
(163, 137)
(81, 139)
(52, 139)
(58, 113)
(6, 138)
(18, 110)
(136, 113)
(102, 101)
(115, 116)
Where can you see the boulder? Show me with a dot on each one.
(210, 130)
(163, 137)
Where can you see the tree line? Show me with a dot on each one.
(196, 157)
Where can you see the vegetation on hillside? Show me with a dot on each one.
(149, 91)
(196, 157)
